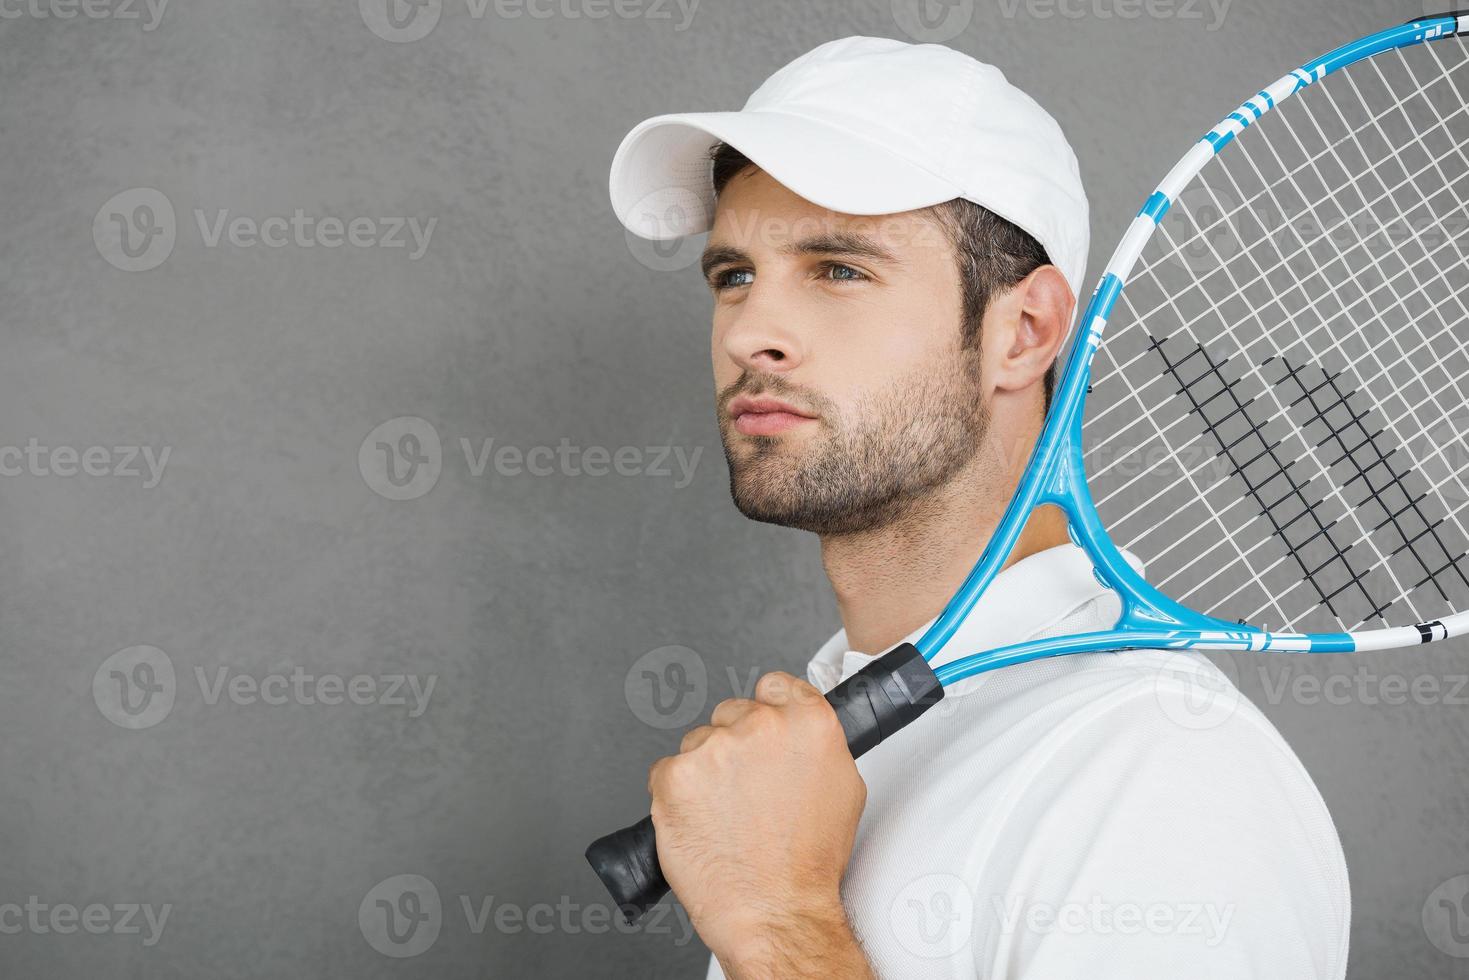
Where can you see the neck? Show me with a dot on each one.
(891, 580)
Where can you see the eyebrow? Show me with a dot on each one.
(832, 243)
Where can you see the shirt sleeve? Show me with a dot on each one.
(1157, 841)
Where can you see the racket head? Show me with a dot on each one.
(1237, 348)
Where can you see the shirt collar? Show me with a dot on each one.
(1022, 601)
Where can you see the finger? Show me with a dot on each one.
(658, 774)
(779, 688)
(695, 738)
(731, 710)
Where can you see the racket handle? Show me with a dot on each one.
(872, 704)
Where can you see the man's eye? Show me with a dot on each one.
(843, 273)
(729, 278)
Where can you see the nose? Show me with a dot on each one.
(758, 336)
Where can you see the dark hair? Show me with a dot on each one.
(993, 254)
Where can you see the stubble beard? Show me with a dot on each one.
(864, 471)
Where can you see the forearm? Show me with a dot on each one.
(813, 945)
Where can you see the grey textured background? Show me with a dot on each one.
(529, 320)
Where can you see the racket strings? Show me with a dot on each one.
(1106, 441)
(1225, 216)
(1395, 479)
(1410, 541)
(1278, 418)
(1240, 469)
(1337, 550)
(1222, 224)
(1282, 263)
(1337, 553)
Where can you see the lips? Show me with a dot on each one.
(764, 416)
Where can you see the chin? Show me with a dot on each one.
(763, 488)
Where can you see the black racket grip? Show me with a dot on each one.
(885, 696)
(872, 704)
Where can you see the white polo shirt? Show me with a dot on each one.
(1124, 815)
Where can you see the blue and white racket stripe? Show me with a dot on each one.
(1308, 367)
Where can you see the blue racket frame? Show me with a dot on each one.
(1055, 474)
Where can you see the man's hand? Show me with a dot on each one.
(756, 817)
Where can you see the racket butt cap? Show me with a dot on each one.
(627, 862)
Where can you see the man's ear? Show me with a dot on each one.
(1035, 316)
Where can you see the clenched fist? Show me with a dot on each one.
(756, 817)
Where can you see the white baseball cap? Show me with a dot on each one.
(869, 125)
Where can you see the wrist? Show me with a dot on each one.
(809, 937)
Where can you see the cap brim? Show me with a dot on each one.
(660, 180)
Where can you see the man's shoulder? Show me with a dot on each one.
(1138, 779)
(1108, 760)
(1049, 727)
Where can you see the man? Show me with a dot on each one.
(897, 240)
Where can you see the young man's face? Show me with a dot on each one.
(843, 393)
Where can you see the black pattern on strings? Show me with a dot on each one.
(1238, 468)
(1376, 459)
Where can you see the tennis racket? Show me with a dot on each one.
(1277, 423)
